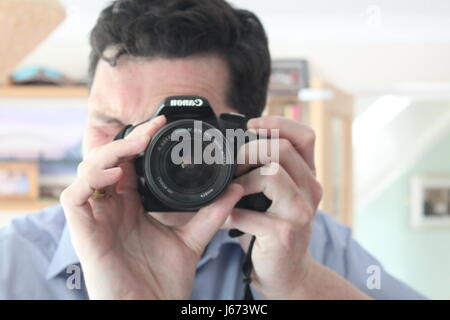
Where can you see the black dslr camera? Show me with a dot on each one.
(189, 184)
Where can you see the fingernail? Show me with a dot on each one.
(159, 119)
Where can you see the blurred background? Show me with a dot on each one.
(371, 77)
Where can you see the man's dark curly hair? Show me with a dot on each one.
(184, 28)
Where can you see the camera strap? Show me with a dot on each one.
(247, 265)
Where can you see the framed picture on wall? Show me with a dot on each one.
(289, 76)
(19, 181)
(430, 199)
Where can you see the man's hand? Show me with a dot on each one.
(124, 252)
(283, 267)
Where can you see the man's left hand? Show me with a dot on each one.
(280, 255)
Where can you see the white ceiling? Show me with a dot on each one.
(362, 46)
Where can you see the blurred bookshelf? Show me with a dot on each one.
(26, 205)
(68, 97)
(42, 91)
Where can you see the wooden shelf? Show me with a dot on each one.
(43, 92)
(25, 205)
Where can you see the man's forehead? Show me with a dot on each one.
(133, 89)
(116, 87)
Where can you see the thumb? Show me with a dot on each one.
(204, 225)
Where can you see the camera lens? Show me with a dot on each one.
(191, 177)
(192, 183)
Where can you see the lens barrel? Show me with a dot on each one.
(191, 184)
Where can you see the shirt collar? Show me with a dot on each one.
(65, 254)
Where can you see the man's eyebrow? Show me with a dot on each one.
(99, 115)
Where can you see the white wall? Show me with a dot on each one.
(383, 158)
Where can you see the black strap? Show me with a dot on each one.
(247, 267)
(247, 264)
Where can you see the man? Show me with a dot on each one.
(142, 52)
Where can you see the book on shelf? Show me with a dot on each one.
(292, 112)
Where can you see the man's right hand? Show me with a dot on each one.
(124, 252)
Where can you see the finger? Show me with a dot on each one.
(270, 231)
(288, 158)
(275, 186)
(256, 153)
(148, 128)
(204, 225)
(93, 172)
(86, 183)
(301, 136)
(129, 180)
(111, 154)
(288, 201)
(79, 217)
(81, 214)
(99, 170)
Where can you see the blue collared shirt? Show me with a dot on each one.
(37, 261)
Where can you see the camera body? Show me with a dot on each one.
(187, 185)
